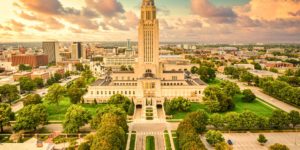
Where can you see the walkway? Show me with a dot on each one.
(258, 92)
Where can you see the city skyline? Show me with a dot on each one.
(206, 21)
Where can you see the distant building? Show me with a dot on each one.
(76, 50)
(244, 66)
(51, 49)
(32, 60)
(264, 73)
(19, 75)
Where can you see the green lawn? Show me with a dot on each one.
(132, 142)
(175, 140)
(214, 82)
(58, 112)
(150, 143)
(257, 107)
(167, 141)
(194, 107)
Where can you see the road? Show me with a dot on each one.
(258, 92)
(19, 105)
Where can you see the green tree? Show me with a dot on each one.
(79, 83)
(246, 77)
(109, 136)
(131, 108)
(279, 119)
(274, 70)
(262, 139)
(9, 93)
(23, 67)
(294, 117)
(32, 99)
(79, 67)
(112, 109)
(55, 93)
(198, 119)
(223, 146)
(67, 74)
(75, 94)
(248, 96)
(278, 146)
(5, 113)
(57, 77)
(39, 82)
(213, 137)
(26, 84)
(75, 117)
(194, 70)
(206, 73)
(84, 146)
(232, 120)
(257, 66)
(120, 100)
(216, 100)
(123, 68)
(289, 72)
(230, 88)
(29, 117)
(216, 120)
(248, 120)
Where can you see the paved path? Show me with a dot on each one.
(257, 91)
(248, 141)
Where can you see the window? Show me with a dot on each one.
(97, 92)
(174, 77)
(91, 92)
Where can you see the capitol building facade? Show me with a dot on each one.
(154, 77)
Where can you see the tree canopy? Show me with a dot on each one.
(55, 93)
(75, 118)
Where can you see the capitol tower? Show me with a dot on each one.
(148, 40)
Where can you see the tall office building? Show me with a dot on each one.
(52, 50)
(76, 50)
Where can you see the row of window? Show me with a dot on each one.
(109, 93)
(125, 84)
(171, 84)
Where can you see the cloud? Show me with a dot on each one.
(75, 30)
(43, 6)
(108, 8)
(164, 11)
(131, 19)
(16, 26)
(39, 28)
(215, 14)
(295, 13)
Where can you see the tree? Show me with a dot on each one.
(278, 146)
(112, 109)
(294, 117)
(75, 117)
(57, 77)
(26, 84)
(289, 72)
(216, 120)
(9, 93)
(131, 108)
(206, 73)
(232, 120)
(79, 67)
(279, 119)
(257, 66)
(223, 146)
(248, 96)
(246, 77)
(177, 104)
(248, 120)
(55, 93)
(123, 68)
(23, 67)
(5, 113)
(194, 70)
(120, 100)
(230, 88)
(67, 74)
(216, 100)
(84, 146)
(79, 83)
(198, 119)
(32, 99)
(213, 137)
(75, 94)
(29, 117)
(274, 70)
(262, 139)
(39, 82)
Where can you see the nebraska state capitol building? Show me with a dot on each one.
(153, 77)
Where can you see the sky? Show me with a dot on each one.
(204, 21)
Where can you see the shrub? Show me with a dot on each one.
(213, 137)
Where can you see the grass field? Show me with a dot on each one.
(167, 141)
(132, 142)
(257, 107)
(58, 112)
(175, 140)
(150, 143)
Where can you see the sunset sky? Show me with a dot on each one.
(207, 21)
